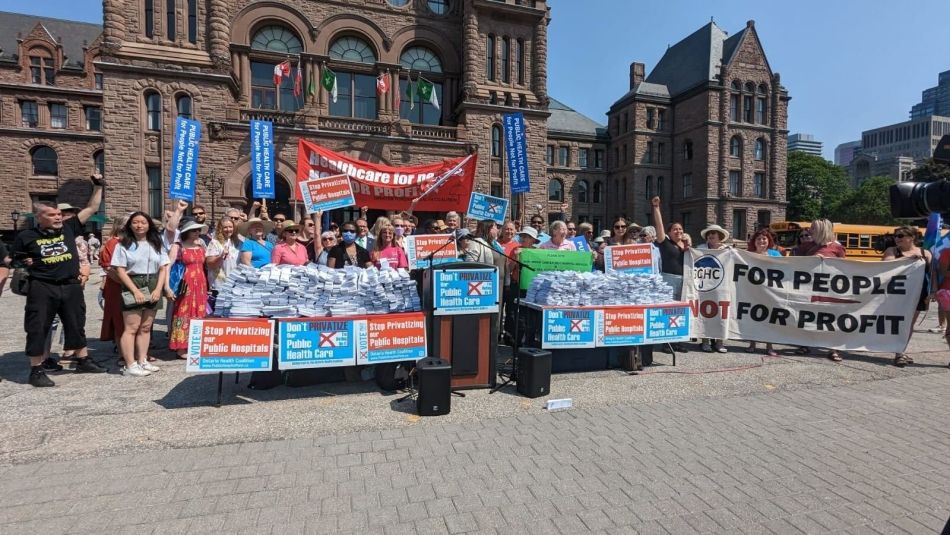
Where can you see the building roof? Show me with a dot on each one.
(568, 120)
(71, 34)
(694, 60)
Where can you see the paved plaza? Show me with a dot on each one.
(783, 445)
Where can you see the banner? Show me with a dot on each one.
(552, 260)
(419, 247)
(184, 164)
(465, 291)
(482, 207)
(568, 327)
(262, 160)
(516, 152)
(323, 194)
(634, 258)
(809, 300)
(391, 338)
(383, 187)
(316, 343)
(229, 345)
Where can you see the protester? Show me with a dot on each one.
(401, 228)
(429, 226)
(763, 243)
(716, 238)
(537, 222)
(672, 249)
(478, 248)
(309, 235)
(822, 234)
(508, 245)
(804, 244)
(386, 252)
(587, 231)
(94, 246)
(648, 235)
(200, 215)
(507, 238)
(381, 221)
(527, 239)
(279, 219)
(571, 230)
(222, 254)
(905, 246)
(943, 294)
(619, 230)
(256, 250)
(5, 261)
(348, 253)
(327, 242)
(558, 240)
(112, 321)
(141, 264)
(288, 250)
(363, 237)
(49, 252)
(452, 221)
(191, 298)
(82, 247)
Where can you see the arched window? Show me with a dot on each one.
(153, 111)
(735, 147)
(496, 141)
(649, 188)
(352, 49)
(598, 192)
(183, 106)
(439, 7)
(99, 162)
(760, 149)
(270, 46)
(45, 161)
(412, 108)
(687, 150)
(582, 191)
(747, 102)
(276, 38)
(356, 90)
(555, 190)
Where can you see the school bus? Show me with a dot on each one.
(861, 242)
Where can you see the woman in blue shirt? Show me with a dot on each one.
(256, 250)
(763, 242)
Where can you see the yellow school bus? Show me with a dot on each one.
(861, 242)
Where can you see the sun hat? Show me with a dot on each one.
(192, 225)
(245, 225)
(289, 226)
(531, 232)
(715, 228)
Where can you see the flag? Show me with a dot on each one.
(312, 86)
(932, 235)
(382, 84)
(427, 92)
(329, 82)
(280, 70)
(298, 82)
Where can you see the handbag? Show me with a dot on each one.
(128, 298)
(20, 281)
(176, 277)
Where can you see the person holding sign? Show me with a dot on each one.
(348, 253)
(558, 241)
(256, 250)
(906, 245)
(715, 237)
(763, 242)
(386, 252)
(825, 244)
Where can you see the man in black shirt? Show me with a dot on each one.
(49, 252)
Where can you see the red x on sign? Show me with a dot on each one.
(327, 339)
(492, 208)
(194, 361)
(577, 326)
(675, 321)
(475, 288)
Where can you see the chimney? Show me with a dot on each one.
(636, 74)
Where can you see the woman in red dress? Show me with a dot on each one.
(192, 299)
(112, 322)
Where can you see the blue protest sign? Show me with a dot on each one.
(667, 323)
(465, 291)
(568, 328)
(516, 152)
(184, 165)
(262, 160)
(581, 243)
(315, 343)
(482, 207)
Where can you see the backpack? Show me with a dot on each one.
(20, 281)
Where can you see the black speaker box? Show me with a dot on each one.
(434, 377)
(534, 372)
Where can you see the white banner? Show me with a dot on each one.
(807, 301)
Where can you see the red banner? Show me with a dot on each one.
(393, 188)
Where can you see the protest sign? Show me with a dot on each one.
(667, 323)
(323, 194)
(567, 327)
(465, 291)
(482, 207)
(262, 160)
(184, 164)
(419, 247)
(316, 343)
(581, 243)
(809, 301)
(633, 258)
(391, 338)
(551, 260)
(516, 152)
(621, 326)
(229, 345)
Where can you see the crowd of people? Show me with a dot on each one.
(178, 264)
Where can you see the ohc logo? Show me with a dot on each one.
(708, 273)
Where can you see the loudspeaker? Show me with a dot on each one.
(435, 387)
(534, 372)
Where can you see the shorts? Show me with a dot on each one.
(44, 301)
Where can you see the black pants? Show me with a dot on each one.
(43, 302)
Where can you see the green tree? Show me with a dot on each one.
(931, 171)
(868, 205)
(815, 187)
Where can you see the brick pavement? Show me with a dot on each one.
(863, 458)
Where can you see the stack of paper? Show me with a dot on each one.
(569, 288)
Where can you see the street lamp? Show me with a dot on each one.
(213, 184)
(15, 216)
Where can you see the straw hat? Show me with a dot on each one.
(192, 225)
(440, 225)
(289, 226)
(715, 228)
(245, 225)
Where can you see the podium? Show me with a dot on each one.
(462, 303)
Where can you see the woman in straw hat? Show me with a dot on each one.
(191, 300)
(715, 238)
(256, 250)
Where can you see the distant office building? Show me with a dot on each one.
(897, 149)
(845, 152)
(935, 100)
(804, 143)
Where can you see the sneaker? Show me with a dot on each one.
(706, 347)
(136, 370)
(51, 365)
(86, 365)
(38, 378)
(147, 366)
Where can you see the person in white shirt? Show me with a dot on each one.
(559, 241)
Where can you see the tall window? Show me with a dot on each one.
(29, 115)
(735, 183)
(761, 105)
(555, 190)
(660, 153)
(764, 217)
(149, 18)
(99, 162)
(420, 59)
(496, 141)
(58, 116)
(98, 81)
(738, 224)
(659, 186)
(649, 187)
(651, 122)
(648, 157)
(42, 70)
(687, 185)
(747, 102)
(270, 46)
(183, 106)
(660, 119)
(155, 189)
(170, 19)
(45, 161)
(583, 158)
(758, 184)
(598, 192)
(582, 191)
(687, 150)
(735, 147)
(625, 154)
(760, 149)
(93, 118)
(549, 155)
(564, 156)
(192, 21)
(734, 102)
(356, 92)
(625, 122)
(153, 111)
(490, 58)
(505, 59)
(519, 61)
(598, 159)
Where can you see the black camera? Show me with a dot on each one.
(919, 199)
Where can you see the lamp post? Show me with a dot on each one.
(15, 216)
(213, 184)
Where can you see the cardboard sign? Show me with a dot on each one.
(323, 194)
(229, 345)
(418, 249)
(184, 165)
(391, 338)
(581, 243)
(667, 323)
(262, 160)
(621, 326)
(551, 260)
(634, 258)
(483, 207)
(516, 152)
(465, 291)
(568, 327)
(316, 343)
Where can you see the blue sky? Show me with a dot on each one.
(849, 65)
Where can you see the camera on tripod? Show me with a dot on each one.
(919, 199)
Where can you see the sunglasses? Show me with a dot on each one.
(309, 224)
(235, 218)
(903, 236)
(620, 226)
(198, 213)
(291, 231)
(571, 228)
(644, 235)
(327, 239)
